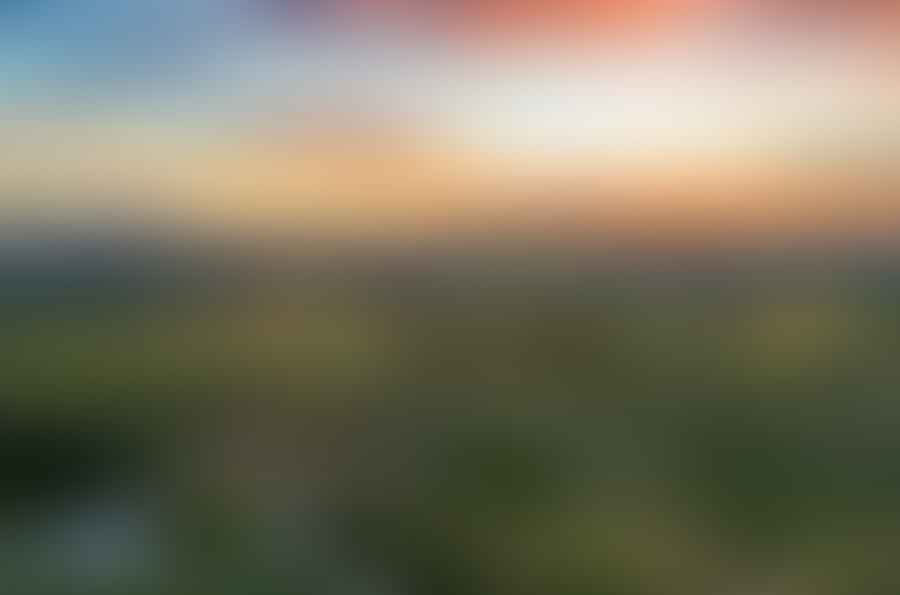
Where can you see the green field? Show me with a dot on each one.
(447, 438)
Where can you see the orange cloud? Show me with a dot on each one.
(493, 21)
(585, 15)
(498, 20)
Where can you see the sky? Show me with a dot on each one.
(306, 111)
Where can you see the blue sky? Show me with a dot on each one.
(60, 52)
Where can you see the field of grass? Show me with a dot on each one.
(448, 439)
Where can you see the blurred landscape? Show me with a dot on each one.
(571, 297)
(468, 421)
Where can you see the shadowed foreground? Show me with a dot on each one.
(450, 430)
